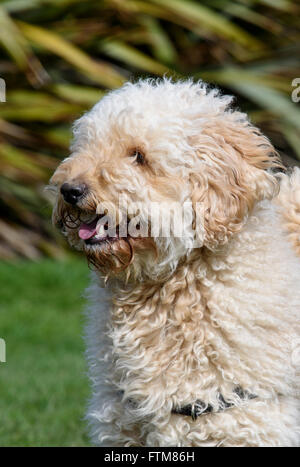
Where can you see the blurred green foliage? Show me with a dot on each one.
(58, 57)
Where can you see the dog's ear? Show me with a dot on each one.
(233, 173)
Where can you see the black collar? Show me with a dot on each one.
(201, 408)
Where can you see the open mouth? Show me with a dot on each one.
(108, 241)
(97, 232)
(99, 229)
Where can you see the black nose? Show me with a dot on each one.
(72, 193)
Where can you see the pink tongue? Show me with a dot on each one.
(87, 230)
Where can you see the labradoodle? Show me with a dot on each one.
(192, 229)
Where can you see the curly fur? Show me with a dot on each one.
(168, 323)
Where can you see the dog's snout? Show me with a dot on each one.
(73, 192)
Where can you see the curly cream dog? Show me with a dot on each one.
(187, 345)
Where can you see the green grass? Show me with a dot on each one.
(43, 384)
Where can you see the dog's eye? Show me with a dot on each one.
(138, 156)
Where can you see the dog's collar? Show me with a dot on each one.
(201, 408)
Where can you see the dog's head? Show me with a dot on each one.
(142, 154)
